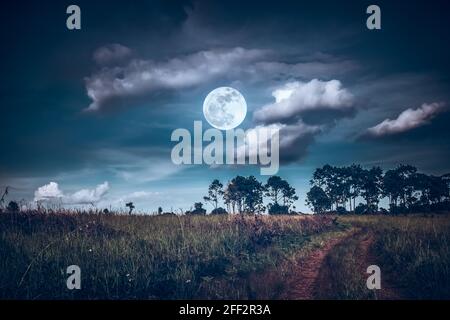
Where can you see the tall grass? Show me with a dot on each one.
(217, 257)
(417, 252)
(148, 257)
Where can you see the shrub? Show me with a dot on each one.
(219, 210)
(13, 206)
(198, 209)
(364, 209)
(361, 209)
(341, 210)
(278, 209)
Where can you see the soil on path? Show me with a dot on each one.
(312, 275)
(302, 285)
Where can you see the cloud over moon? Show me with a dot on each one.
(147, 76)
(122, 77)
(51, 192)
(302, 109)
(408, 120)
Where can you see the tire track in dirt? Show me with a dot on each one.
(365, 256)
(301, 286)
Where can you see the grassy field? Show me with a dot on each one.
(150, 257)
(217, 257)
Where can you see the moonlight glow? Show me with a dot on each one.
(224, 108)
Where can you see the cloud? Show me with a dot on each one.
(51, 192)
(303, 110)
(141, 77)
(300, 70)
(140, 195)
(112, 53)
(48, 191)
(139, 165)
(407, 120)
(87, 196)
(154, 170)
(294, 140)
(118, 82)
(309, 101)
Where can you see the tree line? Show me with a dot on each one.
(246, 195)
(333, 189)
(336, 189)
(345, 189)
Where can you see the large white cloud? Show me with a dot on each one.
(407, 120)
(51, 192)
(301, 111)
(295, 99)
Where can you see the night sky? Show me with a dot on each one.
(92, 110)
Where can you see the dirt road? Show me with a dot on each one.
(313, 278)
(302, 285)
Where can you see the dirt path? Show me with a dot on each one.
(301, 286)
(366, 257)
(313, 275)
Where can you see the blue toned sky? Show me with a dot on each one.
(92, 110)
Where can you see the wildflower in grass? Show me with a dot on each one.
(129, 278)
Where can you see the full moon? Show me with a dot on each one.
(224, 108)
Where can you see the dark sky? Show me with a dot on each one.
(83, 107)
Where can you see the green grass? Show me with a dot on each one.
(149, 257)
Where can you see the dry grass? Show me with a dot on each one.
(216, 257)
(148, 257)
